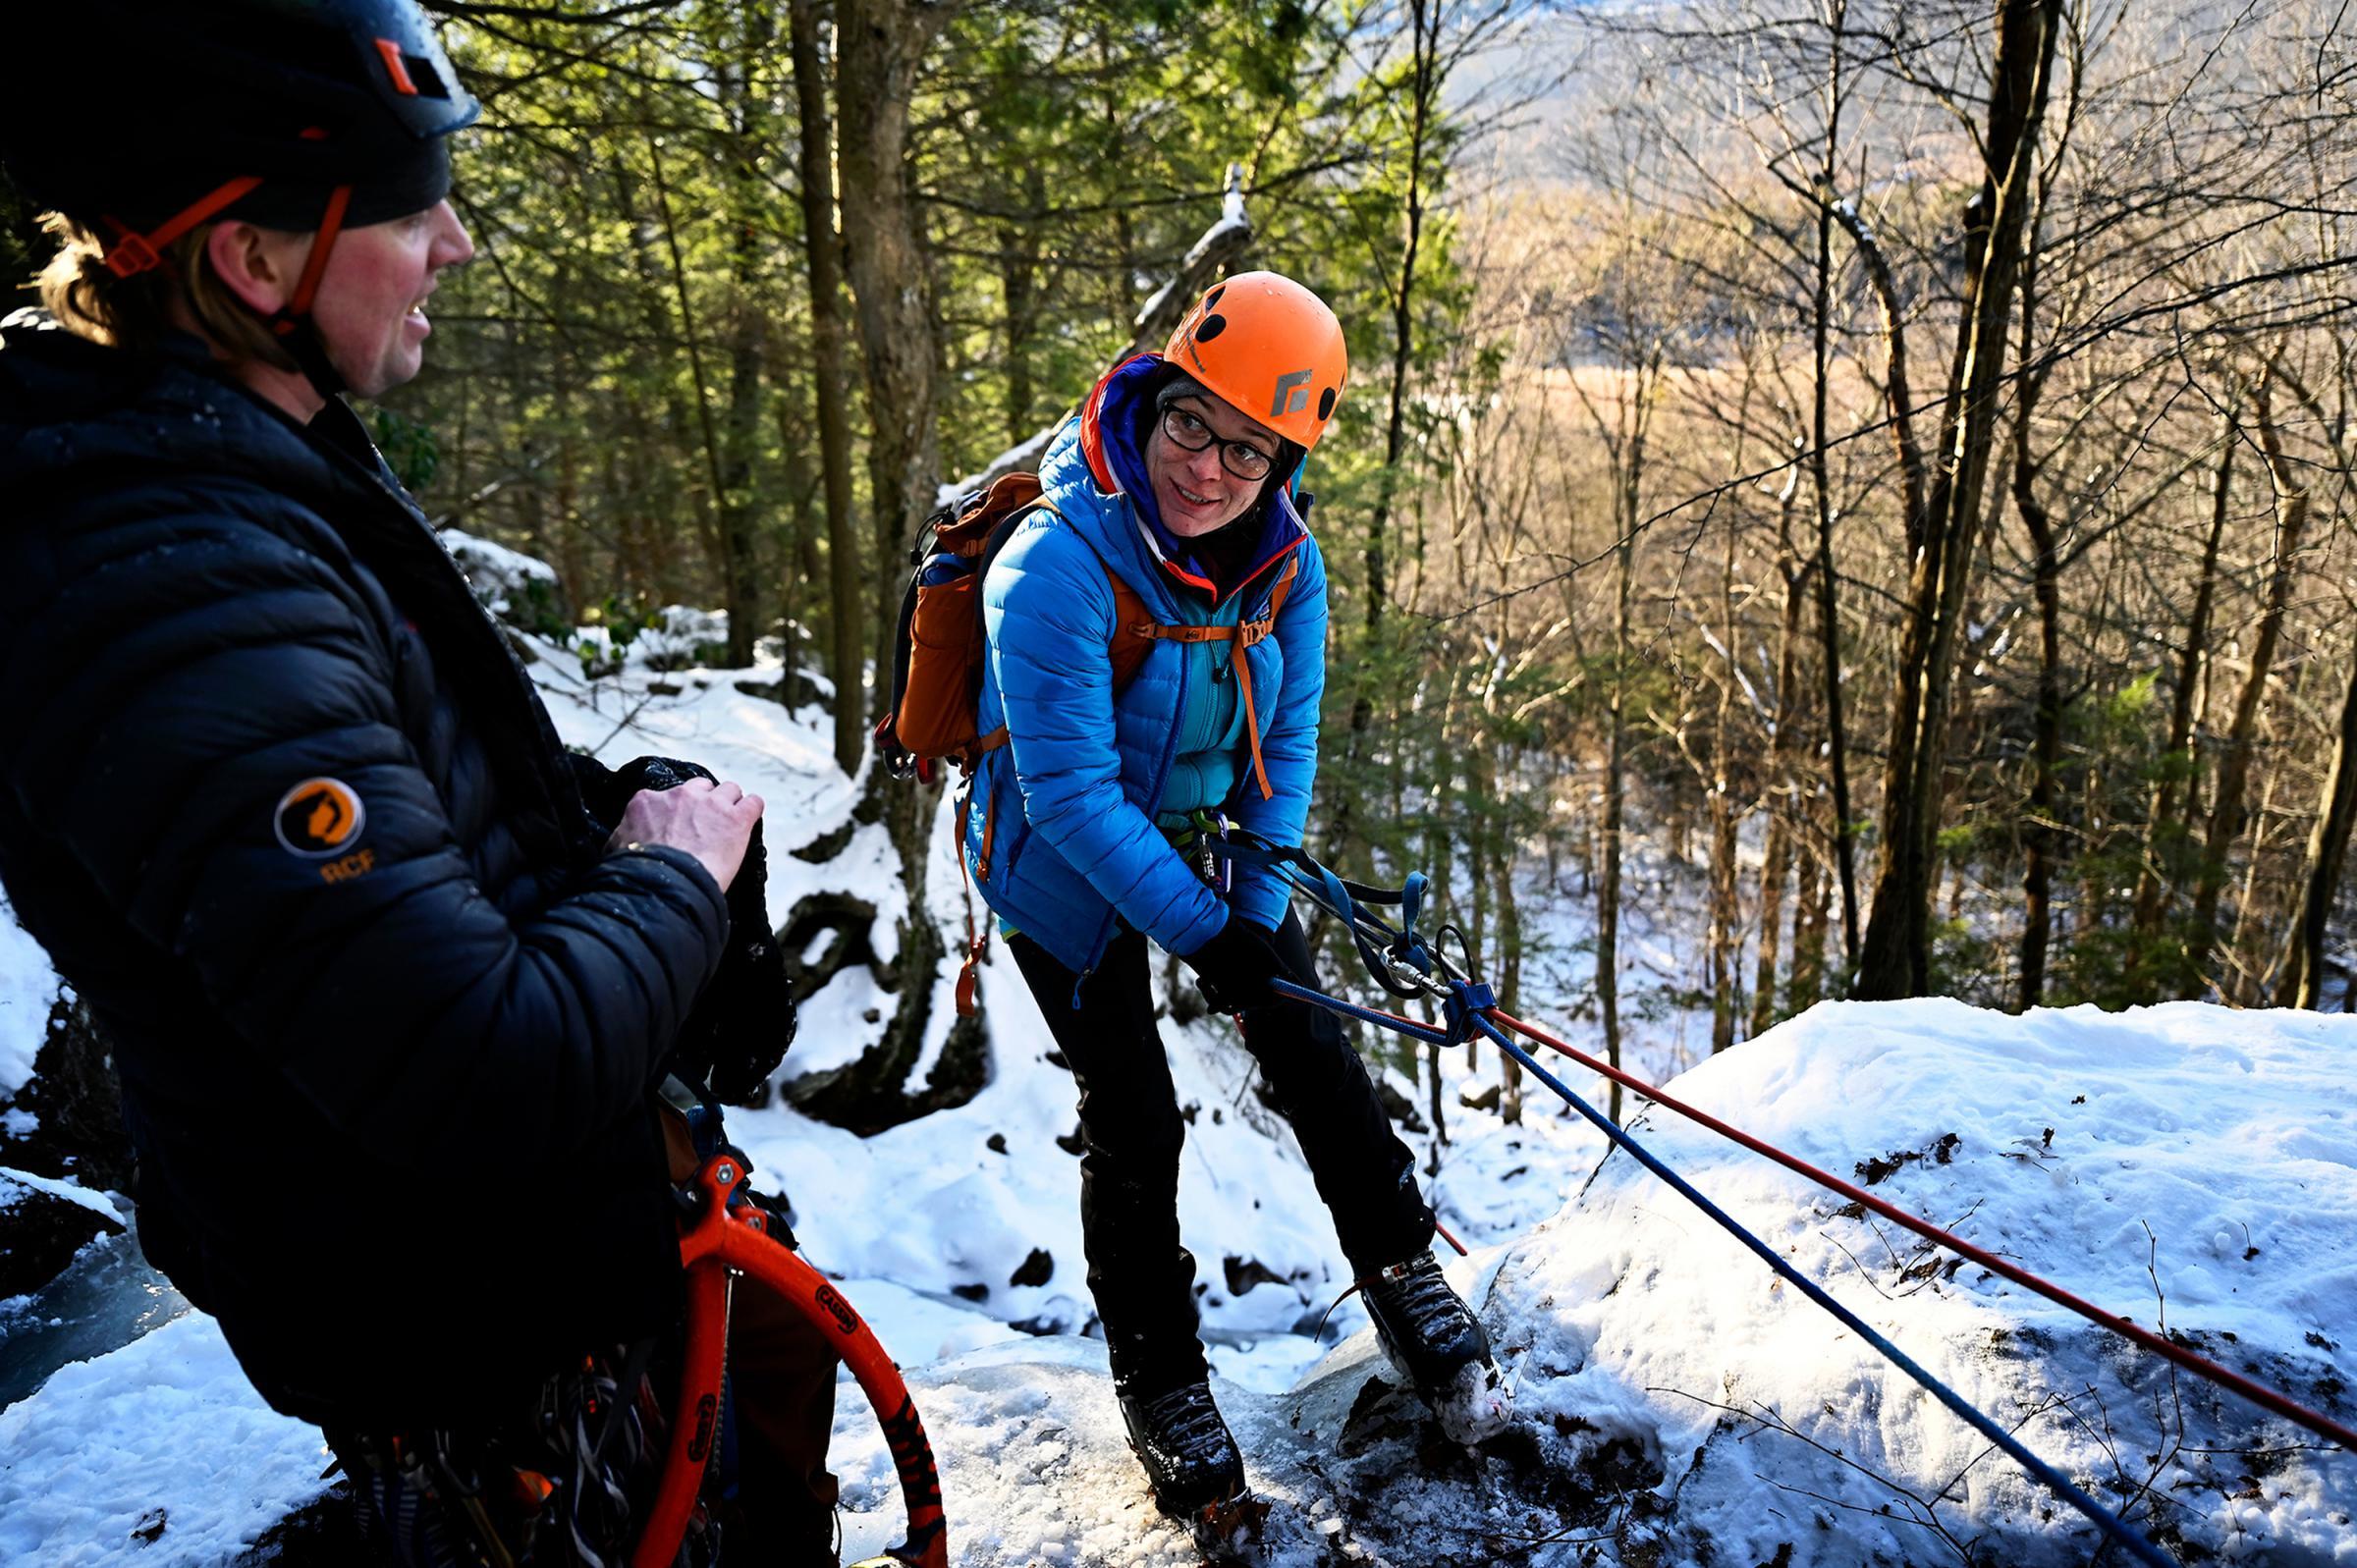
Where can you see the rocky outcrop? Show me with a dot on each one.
(75, 1134)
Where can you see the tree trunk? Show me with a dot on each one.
(1608, 883)
(1829, 616)
(1776, 865)
(2227, 812)
(1424, 18)
(880, 45)
(2046, 748)
(1423, 61)
(1435, 856)
(1808, 938)
(848, 608)
(1895, 958)
(738, 505)
(1509, 966)
(1018, 291)
(805, 569)
(2165, 833)
(661, 490)
(730, 549)
(2328, 852)
(1725, 912)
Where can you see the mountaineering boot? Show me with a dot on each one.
(1438, 1345)
(1191, 1462)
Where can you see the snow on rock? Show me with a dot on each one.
(43, 1223)
(15, 1184)
(1023, 455)
(681, 637)
(159, 1454)
(502, 578)
(28, 986)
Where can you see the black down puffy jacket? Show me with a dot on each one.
(285, 810)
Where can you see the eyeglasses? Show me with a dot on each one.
(1239, 458)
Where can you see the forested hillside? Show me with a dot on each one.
(1897, 458)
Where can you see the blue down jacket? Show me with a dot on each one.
(1060, 832)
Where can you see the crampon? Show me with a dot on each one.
(1230, 1531)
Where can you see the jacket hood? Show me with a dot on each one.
(1095, 474)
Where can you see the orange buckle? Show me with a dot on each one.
(132, 255)
(395, 68)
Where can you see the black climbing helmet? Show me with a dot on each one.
(142, 118)
(137, 117)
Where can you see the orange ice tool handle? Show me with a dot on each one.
(725, 1240)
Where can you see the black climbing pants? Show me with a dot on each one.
(1131, 1129)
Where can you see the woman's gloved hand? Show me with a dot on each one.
(1233, 968)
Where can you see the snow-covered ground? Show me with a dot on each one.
(2181, 1164)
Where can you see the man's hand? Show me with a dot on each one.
(710, 821)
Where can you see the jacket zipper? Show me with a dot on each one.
(1162, 776)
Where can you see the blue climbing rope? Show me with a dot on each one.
(1398, 958)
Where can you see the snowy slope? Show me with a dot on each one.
(1677, 1406)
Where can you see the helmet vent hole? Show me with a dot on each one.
(1211, 328)
(1326, 405)
(1211, 301)
(428, 81)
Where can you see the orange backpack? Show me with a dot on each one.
(939, 655)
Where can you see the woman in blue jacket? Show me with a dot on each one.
(1177, 482)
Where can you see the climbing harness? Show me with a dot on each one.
(728, 1236)
(1410, 967)
(606, 1479)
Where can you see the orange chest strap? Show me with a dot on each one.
(1144, 629)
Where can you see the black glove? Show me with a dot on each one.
(741, 1025)
(1233, 968)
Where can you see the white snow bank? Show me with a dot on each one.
(2217, 1150)
(1626, 1317)
(158, 1455)
(13, 1184)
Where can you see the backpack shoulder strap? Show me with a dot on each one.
(1133, 630)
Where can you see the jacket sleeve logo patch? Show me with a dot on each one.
(319, 817)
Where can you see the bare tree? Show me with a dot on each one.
(1896, 957)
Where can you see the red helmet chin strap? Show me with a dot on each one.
(129, 252)
(306, 287)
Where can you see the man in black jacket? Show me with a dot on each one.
(387, 1003)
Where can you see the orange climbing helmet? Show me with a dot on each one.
(1270, 349)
